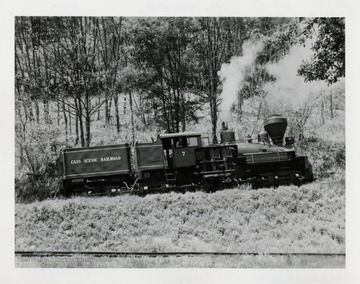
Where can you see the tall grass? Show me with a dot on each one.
(310, 218)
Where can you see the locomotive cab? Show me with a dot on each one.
(179, 148)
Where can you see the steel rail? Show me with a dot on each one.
(163, 254)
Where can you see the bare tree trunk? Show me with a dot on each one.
(81, 126)
(26, 114)
(58, 112)
(106, 112)
(77, 130)
(116, 103)
(177, 110)
(69, 120)
(183, 112)
(37, 111)
(66, 124)
(109, 111)
(240, 104)
(31, 114)
(331, 104)
(213, 112)
(22, 159)
(76, 123)
(47, 111)
(20, 136)
(98, 112)
(132, 119)
(88, 133)
(88, 119)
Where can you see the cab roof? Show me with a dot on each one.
(182, 134)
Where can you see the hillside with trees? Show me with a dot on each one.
(89, 81)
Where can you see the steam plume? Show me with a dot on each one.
(232, 74)
(289, 89)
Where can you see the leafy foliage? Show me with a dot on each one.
(328, 61)
(32, 188)
(163, 55)
(36, 140)
(37, 176)
(327, 158)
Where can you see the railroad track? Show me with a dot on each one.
(162, 254)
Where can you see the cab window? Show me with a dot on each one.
(192, 141)
(181, 142)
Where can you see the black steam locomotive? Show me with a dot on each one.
(187, 161)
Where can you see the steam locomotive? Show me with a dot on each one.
(187, 161)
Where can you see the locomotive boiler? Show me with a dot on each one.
(187, 161)
(272, 160)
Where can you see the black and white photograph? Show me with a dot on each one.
(180, 142)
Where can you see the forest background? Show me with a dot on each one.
(87, 81)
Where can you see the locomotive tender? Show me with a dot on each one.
(187, 161)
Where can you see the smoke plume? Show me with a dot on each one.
(290, 89)
(232, 74)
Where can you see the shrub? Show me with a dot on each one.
(30, 188)
(326, 157)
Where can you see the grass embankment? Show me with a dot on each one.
(310, 218)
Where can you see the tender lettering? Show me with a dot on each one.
(110, 159)
(96, 160)
(92, 160)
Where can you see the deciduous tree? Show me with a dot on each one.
(328, 61)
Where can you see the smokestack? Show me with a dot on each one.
(275, 126)
(226, 135)
(224, 127)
